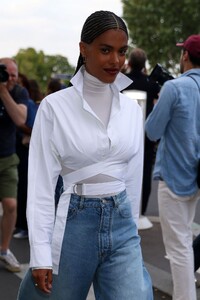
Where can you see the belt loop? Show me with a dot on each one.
(81, 204)
(115, 199)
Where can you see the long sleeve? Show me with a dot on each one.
(158, 119)
(42, 175)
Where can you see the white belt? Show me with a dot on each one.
(87, 189)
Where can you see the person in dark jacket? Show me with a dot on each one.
(141, 81)
(13, 114)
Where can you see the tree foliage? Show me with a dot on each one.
(157, 25)
(41, 67)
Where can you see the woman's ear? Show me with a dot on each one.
(82, 48)
(185, 54)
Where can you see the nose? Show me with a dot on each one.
(115, 58)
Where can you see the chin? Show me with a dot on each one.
(108, 79)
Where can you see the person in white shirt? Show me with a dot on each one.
(91, 135)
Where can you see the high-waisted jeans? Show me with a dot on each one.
(101, 246)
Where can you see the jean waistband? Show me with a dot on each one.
(115, 199)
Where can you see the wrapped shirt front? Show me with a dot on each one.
(67, 135)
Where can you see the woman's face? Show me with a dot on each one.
(105, 56)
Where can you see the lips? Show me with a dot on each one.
(112, 72)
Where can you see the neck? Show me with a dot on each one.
(93, 85)
(99, 97)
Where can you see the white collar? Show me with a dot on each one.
(120, 83)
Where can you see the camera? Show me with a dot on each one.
(160, 74)
(3, 73)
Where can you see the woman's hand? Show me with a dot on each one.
(43, 279)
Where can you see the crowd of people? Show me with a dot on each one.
(19, 101)
(72, 178)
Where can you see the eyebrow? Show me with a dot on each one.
(109, 46)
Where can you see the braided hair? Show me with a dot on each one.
(96, 24)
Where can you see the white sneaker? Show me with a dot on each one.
(22, 234)
(197, 283)
(11, 262)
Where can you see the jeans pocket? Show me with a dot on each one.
(125, 210)
(72, 211)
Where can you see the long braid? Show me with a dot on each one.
(96, 24)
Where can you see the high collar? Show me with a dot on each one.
(94, 85)
(120, 83)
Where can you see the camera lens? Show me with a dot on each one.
(3, 74)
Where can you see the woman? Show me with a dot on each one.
(92, 136)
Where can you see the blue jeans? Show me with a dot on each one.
(100, 246)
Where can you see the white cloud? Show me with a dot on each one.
(48, 25)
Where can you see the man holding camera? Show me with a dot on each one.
(13, 114)
(175, 121)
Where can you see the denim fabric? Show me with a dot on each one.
(175, 120)
(100, 246)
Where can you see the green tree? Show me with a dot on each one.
(41, 67)
(157, 25)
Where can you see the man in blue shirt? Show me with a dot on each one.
(175, 121)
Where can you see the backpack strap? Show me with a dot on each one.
(194, 80)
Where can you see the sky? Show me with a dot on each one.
(53, 26)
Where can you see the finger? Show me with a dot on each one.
(49, 279)
(41, 280)
(45, 285)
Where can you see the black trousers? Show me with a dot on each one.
(196, 248)
(22, 152)
(149, 156)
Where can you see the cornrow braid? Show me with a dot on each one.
(96, 24)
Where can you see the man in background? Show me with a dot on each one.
(141, 81)
(13, 113)
(175, 121)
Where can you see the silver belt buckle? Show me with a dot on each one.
(77, 189)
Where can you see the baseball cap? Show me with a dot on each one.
(192, 45)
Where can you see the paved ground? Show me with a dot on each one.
(9, 283)
(153, 254)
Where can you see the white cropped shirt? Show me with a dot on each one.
(67, 135)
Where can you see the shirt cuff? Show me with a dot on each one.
(42, 268)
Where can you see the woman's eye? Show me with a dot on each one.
(123, 51)
(105, 50)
